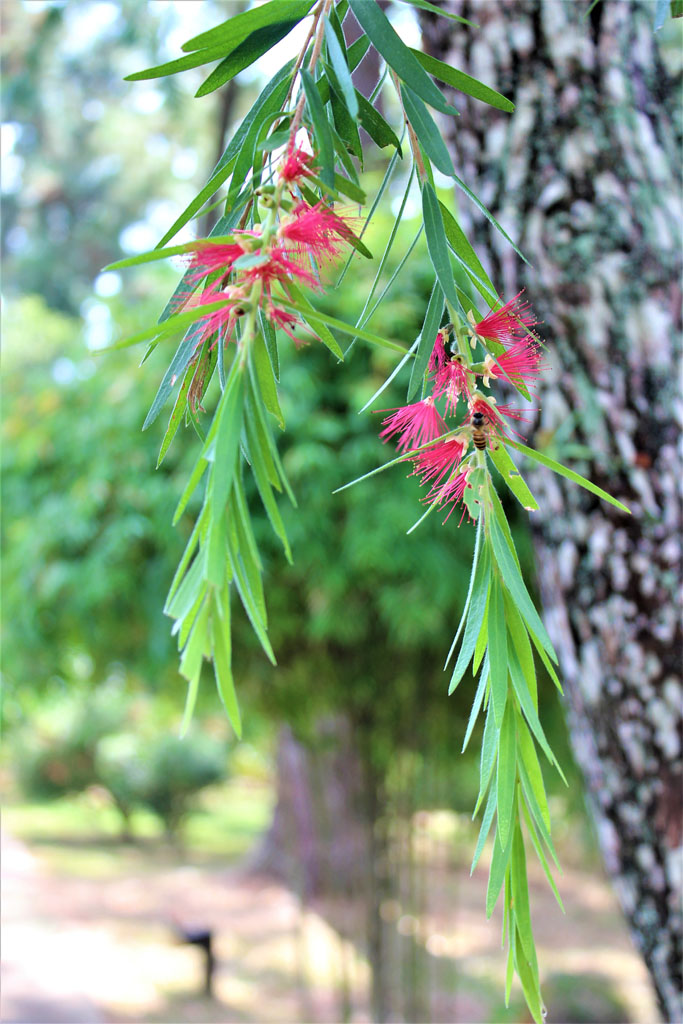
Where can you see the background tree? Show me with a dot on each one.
(586, 177)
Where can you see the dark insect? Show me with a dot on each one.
(478, 435)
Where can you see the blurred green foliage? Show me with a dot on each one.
(114, 742)
(363, 618)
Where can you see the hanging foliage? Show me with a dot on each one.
(250, 287)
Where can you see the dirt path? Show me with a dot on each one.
(83, 949)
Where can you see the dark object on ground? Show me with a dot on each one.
(202, 937)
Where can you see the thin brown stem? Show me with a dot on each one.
(412, 137)
(317, 47)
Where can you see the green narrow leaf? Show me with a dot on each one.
(530, 713)
(222, 658)
(436, 243)
(466, 255)
(179, 603)
(345, 135)
(540, 853)
(431, 325)
(488, 757)
(397, 55)
(341, 70)
(250, 602)
(381, 133)
(351, 191)
(507, 773)
(504, 526)
(487, 213)
(270, 339)
(475, 620)
(258, 456)
(485, 827)
(152, 255)
(394, 373)
(535, 810)
(174, 324)
(230, 33)
(520, 640)
(515, 584)
(464, 83)
(304, 308)
(363, 318)
(216, 552)
(206, 55)
(242, 145)
(498, 651)
(194, 539)
(190, 487)
(244, 537)
(530, 760)
(473, 573)
(266, 379)
(477, 703)
(500, 457)
(429, 136)
(314, 317)
(228, 427)
(520, 896)
(499, 863)
(321, 126)
(176, 415)
(529, 980)
(482, 639)
(193, 654)
(561, 470)
(434, 9)
(244, 55)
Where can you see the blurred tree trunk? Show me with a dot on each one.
(585, 177)
(328, 836)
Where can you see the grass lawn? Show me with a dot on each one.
(81, 835)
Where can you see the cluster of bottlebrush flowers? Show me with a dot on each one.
(444, 466)
(290, 244)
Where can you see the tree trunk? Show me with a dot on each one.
(584, 176)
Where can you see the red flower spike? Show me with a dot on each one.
(439, 461)
(297, 165)
(286, 321)
(315, 228)
(437, 360)
(520, 364)
(417, 424)
(452, 379)
(279, 268)
(208, 257)
(507, 324)
(492, 415)
(221, 319)
(451, 492)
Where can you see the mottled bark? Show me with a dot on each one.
(585, 175)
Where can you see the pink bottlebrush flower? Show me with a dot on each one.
(315, 228)
(278, 269)
(296, 165)
(492, 415)
(286, 321)
(507, 324)
(450, 492)
(221, 320)
(417, 424)
(520, 364)
(437, 359)
(439, 461)
(452, 379)
(208, 257)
